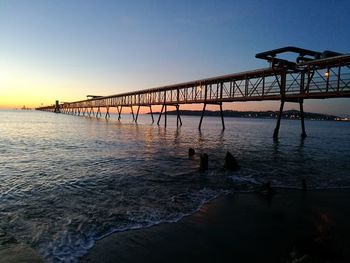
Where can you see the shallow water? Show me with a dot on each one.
(66, 181)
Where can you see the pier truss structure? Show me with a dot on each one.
(313, 75)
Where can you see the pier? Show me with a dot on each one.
(313, 75)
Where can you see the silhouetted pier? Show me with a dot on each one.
(313, 75)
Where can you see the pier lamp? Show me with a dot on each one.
(326, 74)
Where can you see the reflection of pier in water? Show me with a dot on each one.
(313, 75)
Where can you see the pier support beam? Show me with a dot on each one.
(119, 112)
(150, 109)
(222, 117)
(137, 113)
(301, 103)
(132, 112)
(160, 115)
(221, 113)
(92, 111)
(57, 107)
(178, 119)
(98, 112)
(107, 113)
(276, 131)
(303, 133)
(200, 122)
(165, 111)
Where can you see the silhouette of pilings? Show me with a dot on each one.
(164, 111)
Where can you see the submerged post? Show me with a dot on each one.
(303, 133)
(275, 133)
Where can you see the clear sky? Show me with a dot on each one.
(66, 49)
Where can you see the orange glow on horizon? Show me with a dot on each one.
(20, 87)
(33, 101)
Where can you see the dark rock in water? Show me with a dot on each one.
(191, 152)
(266, 189)
(231, 162)
(204, 162)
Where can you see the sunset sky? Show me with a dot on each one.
(67, 49)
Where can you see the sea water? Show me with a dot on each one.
(67, 181)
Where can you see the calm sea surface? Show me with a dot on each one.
(66, 181)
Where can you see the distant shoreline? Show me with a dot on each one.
(290, 114)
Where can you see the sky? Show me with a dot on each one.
(68, 49)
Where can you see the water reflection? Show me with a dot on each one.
(66, 181)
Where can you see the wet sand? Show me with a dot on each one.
(290, 226)
(19, 253)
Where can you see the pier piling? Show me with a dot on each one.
(221, 114)
(160, 114)
(57, 107)
(276, 131)
(303, 133)
(150, 109)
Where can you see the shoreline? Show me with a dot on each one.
(310, 226)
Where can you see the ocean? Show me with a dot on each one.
(67, 181)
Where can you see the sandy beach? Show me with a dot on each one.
(290, 226)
